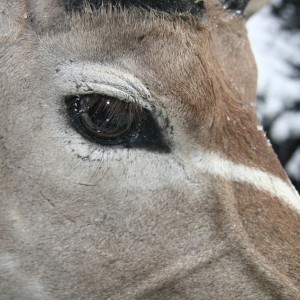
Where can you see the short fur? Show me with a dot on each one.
(80, 220)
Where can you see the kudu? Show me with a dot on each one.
(132, 164)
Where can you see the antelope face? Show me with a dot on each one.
(113, 126)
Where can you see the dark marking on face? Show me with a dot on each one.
(194, 7)
(141, 38)
(149, 136)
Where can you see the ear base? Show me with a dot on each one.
(237, 6)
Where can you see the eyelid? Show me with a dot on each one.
(102, 89)
(89, 78)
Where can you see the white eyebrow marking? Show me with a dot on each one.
(85, 77)
(217, 166)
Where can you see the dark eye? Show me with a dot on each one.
(109, 121)
(104, 118)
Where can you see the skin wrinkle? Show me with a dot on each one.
(259, 268)
(144, 225)
(179, 269)
(286, 268)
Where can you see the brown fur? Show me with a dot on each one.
(276, 240)
(222, 106)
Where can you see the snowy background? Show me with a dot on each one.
(275, 36)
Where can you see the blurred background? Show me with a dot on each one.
(274, 33)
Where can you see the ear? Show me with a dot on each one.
(254, 6)
(43, 13)
(237, 6)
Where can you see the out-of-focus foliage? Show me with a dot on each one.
(275, 36)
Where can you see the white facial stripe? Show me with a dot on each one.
(85, 78)
(217, 166)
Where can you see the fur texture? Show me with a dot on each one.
(80, 220)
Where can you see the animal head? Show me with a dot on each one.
(127, 130)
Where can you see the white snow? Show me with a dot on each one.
(276, 51)
(285, 126)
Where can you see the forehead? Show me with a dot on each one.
(176, 42)
(195, 7)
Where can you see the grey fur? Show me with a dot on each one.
(83, 221)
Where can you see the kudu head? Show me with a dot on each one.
(125, 127)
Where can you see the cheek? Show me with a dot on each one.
(49, 156)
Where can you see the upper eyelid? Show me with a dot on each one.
(87, 78)
(102, 89)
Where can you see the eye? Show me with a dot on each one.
(109, 121)
(103, 119)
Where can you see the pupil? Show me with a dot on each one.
(106, 117)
